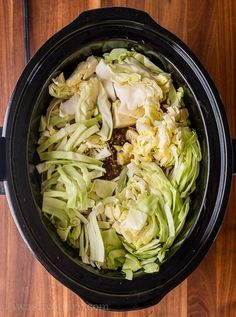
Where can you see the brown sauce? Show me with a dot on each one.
(110, 163)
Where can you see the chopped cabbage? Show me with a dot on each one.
(128, 223)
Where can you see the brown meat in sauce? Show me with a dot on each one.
(110, 163)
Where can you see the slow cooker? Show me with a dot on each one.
(95, 32)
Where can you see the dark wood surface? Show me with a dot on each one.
(208, 28)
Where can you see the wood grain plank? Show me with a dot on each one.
(211, 289)
(13, 269)
(208, 27)
(226, 242)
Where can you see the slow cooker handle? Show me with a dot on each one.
(234, 156)
(121, 13)
(2, 162)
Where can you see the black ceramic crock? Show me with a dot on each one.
(95, 32)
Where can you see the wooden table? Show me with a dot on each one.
(209, 29)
